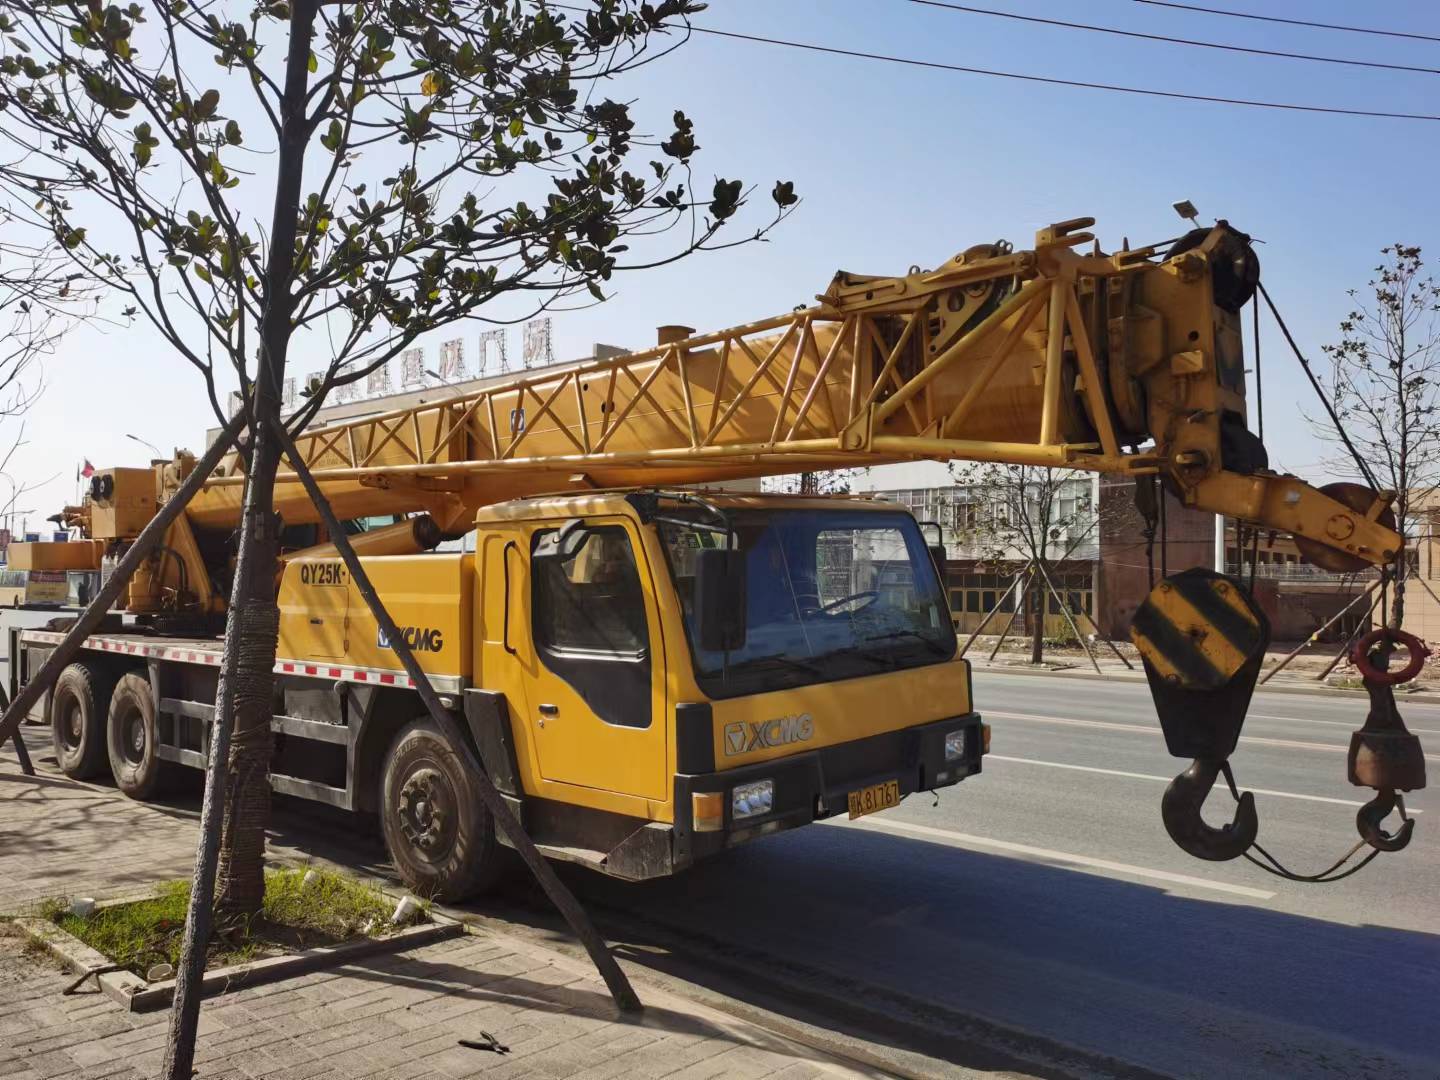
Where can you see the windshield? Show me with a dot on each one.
(831, 594)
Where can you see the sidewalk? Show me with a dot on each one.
(394, 1016)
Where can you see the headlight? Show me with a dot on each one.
(753, 799)
(954, 745)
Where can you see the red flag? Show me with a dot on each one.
(88, 471)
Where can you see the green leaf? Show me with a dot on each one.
(517, 128)
(332, 137)
(206, 106)
(232, 133)
(313, 63)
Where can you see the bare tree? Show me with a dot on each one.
(1026, 516)
(41, 296)
(1384, 385)
(824, 482)
(348, 177)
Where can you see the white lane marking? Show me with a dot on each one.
(1351, 724)
(1145, 729)
(1167, 779)
(1083, 863)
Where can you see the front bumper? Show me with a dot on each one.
(814, 785)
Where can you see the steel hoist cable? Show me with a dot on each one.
(1360, 462)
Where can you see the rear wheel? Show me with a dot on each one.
(133, 739)
(78, 706)
(437, 831)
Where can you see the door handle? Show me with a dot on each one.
(549, 710)
(505, 573)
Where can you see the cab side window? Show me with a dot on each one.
(589, 622)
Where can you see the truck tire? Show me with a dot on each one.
(78, 706)
(133, 739)
(438, 832)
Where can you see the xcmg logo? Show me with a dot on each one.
(419, 638)
(742, 738)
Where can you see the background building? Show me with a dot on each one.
(1107, 574)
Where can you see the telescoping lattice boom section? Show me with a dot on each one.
(959, 362)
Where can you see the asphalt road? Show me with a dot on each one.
(1041, 906)
(1045, 896)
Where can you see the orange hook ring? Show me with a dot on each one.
(1361, 656)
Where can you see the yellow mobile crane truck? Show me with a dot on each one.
(650, 668)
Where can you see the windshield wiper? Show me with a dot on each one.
(930, 643)
(863, 653)
(781, 659)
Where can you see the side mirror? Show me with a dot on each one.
(937, 555)
(720, 598)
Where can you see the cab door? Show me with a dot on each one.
(597, 698)
(574, 645)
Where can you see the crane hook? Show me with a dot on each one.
(1370, 817)
(1180, 810)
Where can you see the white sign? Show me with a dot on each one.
(535, 348)
(493, 358)
(348, 391)
(452, 361)
(378, 381)
(412, 368)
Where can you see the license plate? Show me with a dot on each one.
(875, 797)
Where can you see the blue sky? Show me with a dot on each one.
(900, 165)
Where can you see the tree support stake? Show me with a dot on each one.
(621, 991)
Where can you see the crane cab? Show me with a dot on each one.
(665, 674)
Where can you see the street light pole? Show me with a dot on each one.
(145, 442)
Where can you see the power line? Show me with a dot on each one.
(937, 66)
(1174, 40)
(1289, 22)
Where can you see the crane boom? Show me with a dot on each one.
(1129, 363)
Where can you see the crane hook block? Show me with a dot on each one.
(1202, 640)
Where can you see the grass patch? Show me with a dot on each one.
(330, 910)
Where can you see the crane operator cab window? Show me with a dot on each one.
(829, 594)
(589, 619)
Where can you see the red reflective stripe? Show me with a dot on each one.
(388, 680)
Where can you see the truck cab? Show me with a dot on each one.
(657, 676)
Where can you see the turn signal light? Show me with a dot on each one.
(984, 738)
(707, 809)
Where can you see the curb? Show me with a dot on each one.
(135, 994)
(1424, 697)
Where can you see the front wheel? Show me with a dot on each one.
(437, 830)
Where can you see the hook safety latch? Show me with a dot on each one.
(1180, 811)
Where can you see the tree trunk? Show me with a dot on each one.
(1037, 627)
(253, 626)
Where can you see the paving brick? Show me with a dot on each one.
(385, 1017)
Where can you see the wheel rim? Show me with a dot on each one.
(133, 737)
(426, 812)
(72, 725)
